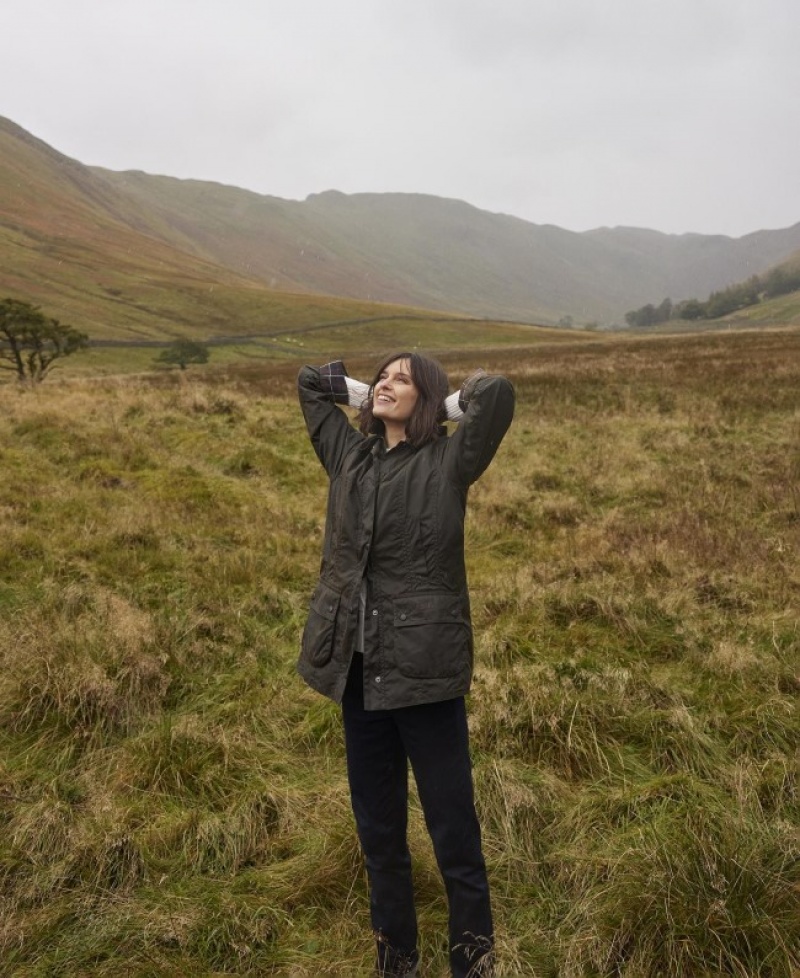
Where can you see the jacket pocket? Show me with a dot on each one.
(320, 629)
(432, 635)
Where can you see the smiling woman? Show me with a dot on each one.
(389, 633)
(407, 402)
(394, 399)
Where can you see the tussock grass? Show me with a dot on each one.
(733, 873)
(173, 801)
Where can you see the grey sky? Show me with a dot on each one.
(679, 115)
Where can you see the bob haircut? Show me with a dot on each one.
(429, 412)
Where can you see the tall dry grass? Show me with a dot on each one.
(174, 802)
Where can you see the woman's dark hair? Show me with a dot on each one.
(429, 412)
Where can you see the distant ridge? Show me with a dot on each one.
(406, 249)
(446, 254)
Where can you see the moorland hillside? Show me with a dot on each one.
(137, 253)
(89, 255)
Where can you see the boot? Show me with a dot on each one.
(395, 964)
(404, 967)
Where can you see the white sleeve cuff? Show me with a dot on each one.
(357, 392)
(454, 412)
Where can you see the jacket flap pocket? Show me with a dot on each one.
(424, 609)
(325, 602)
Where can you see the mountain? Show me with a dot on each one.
(129, 238)
(446, 254)
(92, 256)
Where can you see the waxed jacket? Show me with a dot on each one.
(396, 518)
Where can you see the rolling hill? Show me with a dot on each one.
(444, 254)
(782, 304)
(72, 243)
(130, 254)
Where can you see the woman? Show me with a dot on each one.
(389, 635)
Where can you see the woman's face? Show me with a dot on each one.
(395, 394)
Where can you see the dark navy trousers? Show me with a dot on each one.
(434, 738)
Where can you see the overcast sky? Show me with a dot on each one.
(677, 115)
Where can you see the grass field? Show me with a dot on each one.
(315, 334)
(173, 801)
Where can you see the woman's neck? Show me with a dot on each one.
(393, 435)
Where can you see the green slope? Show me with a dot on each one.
(94, 257)
(443, 254)
(128, 254)
(780, 309)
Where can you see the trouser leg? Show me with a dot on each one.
(436, 739)
(377, 769)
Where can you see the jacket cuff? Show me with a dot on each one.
(332, 381)
(468, 387)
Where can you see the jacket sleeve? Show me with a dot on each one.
(330, 431)
(486, 419)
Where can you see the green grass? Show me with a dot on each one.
(367, 338)
(782, 310)
(173, 801)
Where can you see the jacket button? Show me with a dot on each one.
(403, 616)
(374, 611)
(377, 679)
(330, 607)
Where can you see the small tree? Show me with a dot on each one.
(183, 351)
(690, 309)
(30, 342)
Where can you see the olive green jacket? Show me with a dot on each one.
(396, 519)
